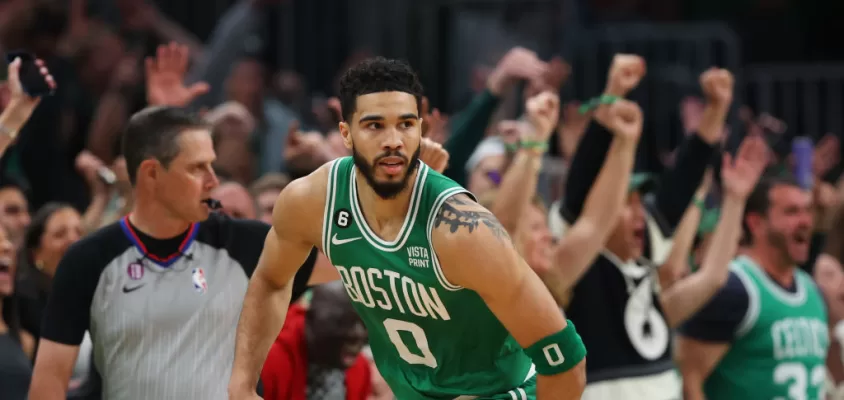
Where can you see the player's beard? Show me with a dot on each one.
(385, 190)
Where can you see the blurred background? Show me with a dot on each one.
(273, 67)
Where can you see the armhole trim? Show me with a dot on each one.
(753, 306)
(328, 215)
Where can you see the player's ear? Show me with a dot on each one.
(346, 133)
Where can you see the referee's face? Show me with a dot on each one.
(190, 177)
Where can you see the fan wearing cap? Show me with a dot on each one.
(629, 348)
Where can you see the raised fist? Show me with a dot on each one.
(543, 112)
(717, 85)
(625, 74)
(624, 118)
(433, 154)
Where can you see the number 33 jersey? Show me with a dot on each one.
(429, 337)
(781, 345)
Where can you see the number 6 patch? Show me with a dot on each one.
(342, 218)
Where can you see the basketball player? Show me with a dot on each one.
(451, 309)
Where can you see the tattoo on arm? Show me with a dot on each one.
(459, 212)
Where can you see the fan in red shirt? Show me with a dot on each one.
(317, 354)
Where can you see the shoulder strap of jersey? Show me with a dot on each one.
(754, 305)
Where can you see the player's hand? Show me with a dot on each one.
(626, 71)
(717, 85)
(518, 64)
(434, 155)
(623, 118)
(20, 105)
(543, 113)
(739, 175)
(166, 75)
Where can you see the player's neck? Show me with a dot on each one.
(776, 266)
(377, 209)
(153, 220)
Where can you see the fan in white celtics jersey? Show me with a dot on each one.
(451, 308)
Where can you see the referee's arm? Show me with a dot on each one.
(66, 318)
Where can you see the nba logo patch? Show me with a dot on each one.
(199, 282)
(135, 271)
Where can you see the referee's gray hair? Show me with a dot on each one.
(152, 133)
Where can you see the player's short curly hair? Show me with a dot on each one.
(376, 75)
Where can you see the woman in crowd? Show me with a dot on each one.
(16, 345)
(53, 229)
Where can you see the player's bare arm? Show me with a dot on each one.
(476, 253)
(582, 243)
(293, 234)
(53, 368)
(696, 359)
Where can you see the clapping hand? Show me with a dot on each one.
(166, 75)
(543, 113)
(433, 154)
(90, 166)
(740, 174)
(518, 64)
(434, 123)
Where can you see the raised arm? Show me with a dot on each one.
(687, 296)
(288, 244)
(625, 73)
(580, 245)
(518, 186)
(476, 253)
(20, 106)
(676, 266)
(693, 158)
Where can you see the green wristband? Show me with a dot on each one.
(528, 145)
(558, 352)
(597, 101)
(534, 145)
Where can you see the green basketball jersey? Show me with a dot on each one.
(430, 338)
(781, 345)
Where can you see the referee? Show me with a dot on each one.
(161, 290)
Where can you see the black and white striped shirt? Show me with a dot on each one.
(162, 327)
